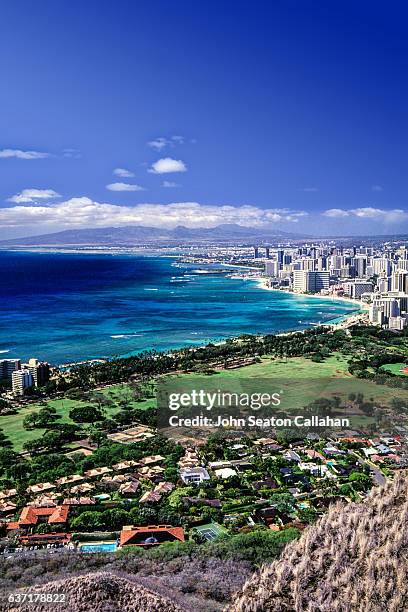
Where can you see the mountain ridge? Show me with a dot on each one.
(139, 234)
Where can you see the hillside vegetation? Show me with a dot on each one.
(100, 592)
(354, 559)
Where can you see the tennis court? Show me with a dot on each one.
(211, 531)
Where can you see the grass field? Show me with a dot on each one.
(394, 368)
(300, 380)
(12, 424)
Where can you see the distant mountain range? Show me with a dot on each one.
(136, 235)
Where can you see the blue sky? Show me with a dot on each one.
(288, 114)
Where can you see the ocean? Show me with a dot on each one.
(64, 307)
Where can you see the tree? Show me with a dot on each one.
(115, 518)
(98, 437)
(88, 521)
(85, 414)
(4, 440)
(7, 458)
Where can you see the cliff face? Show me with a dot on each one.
(98, 592)
(355, 559)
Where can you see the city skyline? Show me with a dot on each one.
(284, 117)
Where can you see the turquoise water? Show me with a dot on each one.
(69, 307)
(96, 548)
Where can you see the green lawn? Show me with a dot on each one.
(12, 424)
(300, 381)
(394, 368)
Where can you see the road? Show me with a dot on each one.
(376, 473)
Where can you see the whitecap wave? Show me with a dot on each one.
(121, 336)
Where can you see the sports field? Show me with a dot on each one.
(210, 531)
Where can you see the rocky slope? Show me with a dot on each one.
(355, 559)
(99, 592)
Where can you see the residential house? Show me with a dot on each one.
(151, 460)
(8, 493)
(199, 501)
(225, 473)
(150, 497)
(125, 465)
(79, 501)
(292, 455)
(40, 487)
(7, 507)
(267, 482)
(96, 472)
(129, 488)
(194, 475)
(30, 517)
(152, 535)
(164, 487)
(68, 480)
(82, 488)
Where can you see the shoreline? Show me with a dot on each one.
(359, 307)
(109, 352)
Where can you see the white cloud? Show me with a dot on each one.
(158, 143)
(33, 195)
(170, 184)
(124, 187)
(123, 173)
(73, 153)
(167, 165)
(84, 212)
(369, 212)
(377, 188)
(19, 154)
(336, 212)
(161, 143)
(310, 189)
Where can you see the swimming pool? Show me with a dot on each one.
(98, 547)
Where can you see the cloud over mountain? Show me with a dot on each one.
(84, 212)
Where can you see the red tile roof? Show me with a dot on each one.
(129, 533)
(30, 515)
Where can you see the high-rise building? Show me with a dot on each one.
(397, 323)
(399, 281)
(308, 281)
(382, 309)
(21, 380)
(384, 284)
(307, 264)
(8, 366)
(360, 264)
(272, 268)
(380, 266)
(40, 371)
